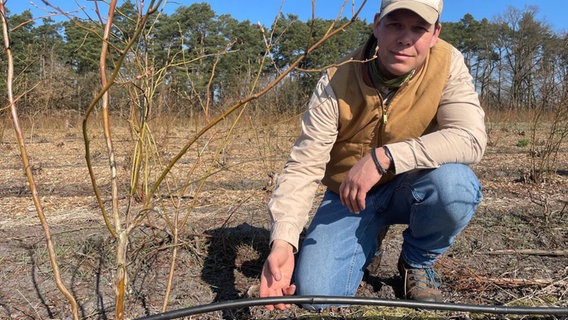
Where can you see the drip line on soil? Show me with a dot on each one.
(235, 304)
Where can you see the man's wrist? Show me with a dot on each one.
(277, 243)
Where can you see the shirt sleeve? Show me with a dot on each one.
(460, 136)
(293, 196)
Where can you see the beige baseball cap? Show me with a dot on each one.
(429, 10)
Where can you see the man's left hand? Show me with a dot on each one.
(360, 179)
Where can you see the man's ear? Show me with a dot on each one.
(376, 25)
(436, 34)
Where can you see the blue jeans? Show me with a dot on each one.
(436, 204)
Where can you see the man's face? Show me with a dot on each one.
(404, 40)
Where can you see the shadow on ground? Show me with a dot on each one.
(234, 253)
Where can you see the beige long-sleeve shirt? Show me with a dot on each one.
(459, 138)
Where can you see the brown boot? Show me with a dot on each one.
(420, 284)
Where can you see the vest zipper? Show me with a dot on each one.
(385, 105)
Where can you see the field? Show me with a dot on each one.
(513, 252)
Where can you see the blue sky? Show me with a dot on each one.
(553, 12)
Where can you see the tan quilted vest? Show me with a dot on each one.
(411, 112)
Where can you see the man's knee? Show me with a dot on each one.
(456, 186)
(446, 199)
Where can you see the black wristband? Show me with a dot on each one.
(389, 155)
(380, 168)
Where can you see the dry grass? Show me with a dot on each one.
(224, 243)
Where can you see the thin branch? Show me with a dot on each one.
(111, 80)
(516, 282)
(550, 253)
(335, 65)
(27, 168)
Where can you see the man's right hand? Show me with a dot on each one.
(276, 277)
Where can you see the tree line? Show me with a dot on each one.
(197, 59)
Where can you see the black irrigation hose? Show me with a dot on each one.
(235, 304)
